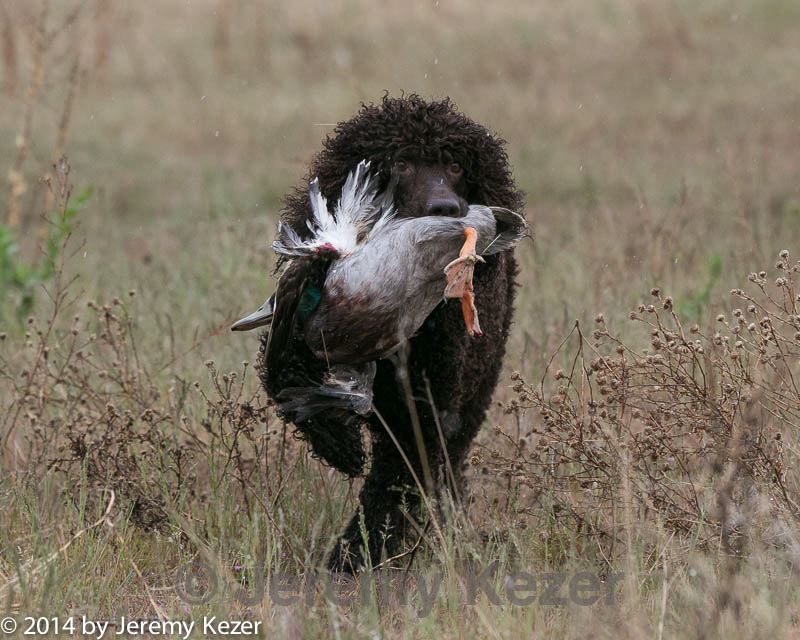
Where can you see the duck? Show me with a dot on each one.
(360, 285)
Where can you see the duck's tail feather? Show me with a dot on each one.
(345, 388)
(320, 216)
(358, 193)
(511, 228)
(289, 243)
(360, 203)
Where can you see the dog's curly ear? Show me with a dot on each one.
(386, 198)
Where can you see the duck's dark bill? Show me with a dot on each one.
(259, 318)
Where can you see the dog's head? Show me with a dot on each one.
(435, 158)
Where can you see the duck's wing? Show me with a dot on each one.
(291, 287)
(346, 390)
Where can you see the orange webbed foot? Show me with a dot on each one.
(459, 275)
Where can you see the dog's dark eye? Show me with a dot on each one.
(401, 166)
(456, 169)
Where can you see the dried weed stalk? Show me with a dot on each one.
(79, 400)
(692, 435)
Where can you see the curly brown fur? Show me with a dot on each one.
(458, 372)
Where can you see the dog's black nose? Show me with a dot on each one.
(443, 207)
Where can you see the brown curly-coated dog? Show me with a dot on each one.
(440, 161)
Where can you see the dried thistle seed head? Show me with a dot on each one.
(655, 292)
(784, 254)
(599, 319)
(668, 303)
(695, 328)
(721, 317)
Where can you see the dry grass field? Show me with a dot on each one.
(646, 428)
